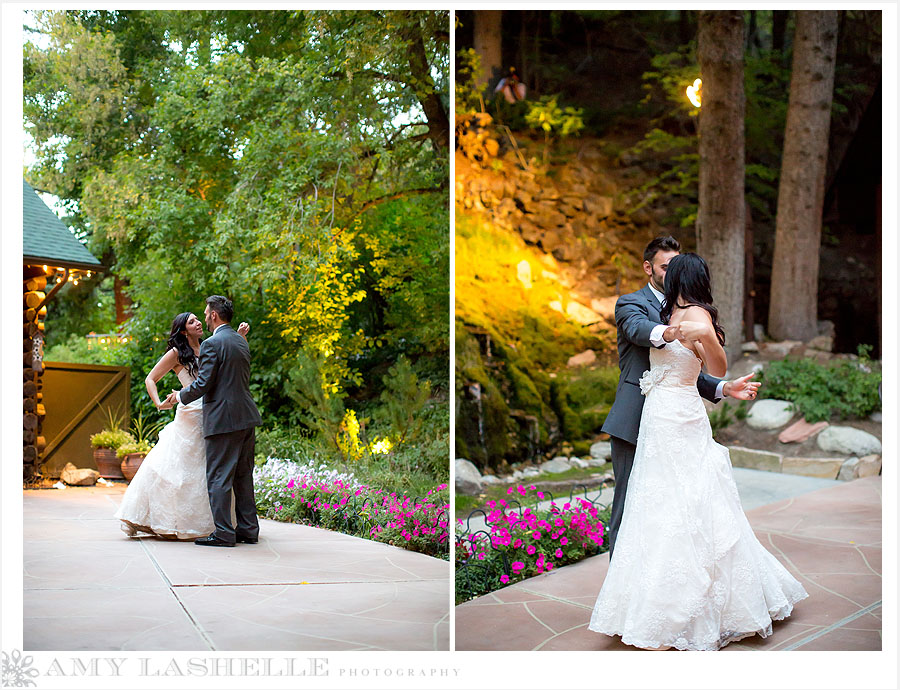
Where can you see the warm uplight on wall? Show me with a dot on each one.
(694, 92)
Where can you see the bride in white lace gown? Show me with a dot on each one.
(688, 570)
(167, 497)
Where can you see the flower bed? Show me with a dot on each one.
(321, 497)
(523, 542)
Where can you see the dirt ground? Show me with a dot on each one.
(739, 434)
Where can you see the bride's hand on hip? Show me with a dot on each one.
(742, 388)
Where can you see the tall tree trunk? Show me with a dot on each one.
(720, 217)
(488, 43)
(779, 24)
(801, 189)
(430, 100)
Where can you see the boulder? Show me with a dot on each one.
(606, 307)
(848, 441)
(601, 450)
(74, 476)
(556, 465)
(849, 470)
(800, 431)
(759, 333)
(530, 472)
(769, 414)
(826, 468)
(491, 479)
(579, 463)
(822, 342)
(582, 359)
(750, 346)
(876, 417)
(755, 459)
(869, 466)
(468, 478)
(782, 349)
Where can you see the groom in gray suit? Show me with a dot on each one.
(230, 419)
(638, 328)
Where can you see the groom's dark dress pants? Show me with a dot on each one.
(622, 460)
(229, 465)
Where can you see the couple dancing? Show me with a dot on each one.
(688, 571)
(183, 488)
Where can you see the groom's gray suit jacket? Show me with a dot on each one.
(224, 382)
(637, 313)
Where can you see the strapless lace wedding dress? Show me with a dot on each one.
(688, 571)
(167, 497)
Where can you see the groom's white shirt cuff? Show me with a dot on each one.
(178, 393)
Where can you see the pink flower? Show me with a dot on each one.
(517, 566)
(558, 553)
(504, 579)
(536, 535)
(531, 549)
(517, 543)
(290, 484)
(564, 541)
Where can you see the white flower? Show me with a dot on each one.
(651, 378)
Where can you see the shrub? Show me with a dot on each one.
(847, 388)
(132, 447)
(525, 542)
(319, 496)
(111, 438)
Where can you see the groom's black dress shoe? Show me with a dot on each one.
(246, 540)
(212, 540)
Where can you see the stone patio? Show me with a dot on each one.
(89, 587)
(829, 539)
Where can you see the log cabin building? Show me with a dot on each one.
(51, 257)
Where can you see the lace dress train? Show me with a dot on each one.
(688, 570)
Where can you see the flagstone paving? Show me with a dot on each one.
(89, 587)
(829, 539)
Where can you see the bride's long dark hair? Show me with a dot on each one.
(179, 341)
(687, 276)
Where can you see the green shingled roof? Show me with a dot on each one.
(46, 239)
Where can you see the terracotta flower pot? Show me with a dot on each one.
(108, 464)
(131, 463)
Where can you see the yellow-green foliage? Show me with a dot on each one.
(111, 438)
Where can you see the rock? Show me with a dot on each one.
(821, 342)
(759, 333)
(599, 205)
(582, 359)
(869, 466)
(579, 463)
(74, 476)
(848, 441)
(800, 431)
(770, 414)
(781, 349)
(826, 468)
(606, 307)
(516, 476)
(755, 459)
(582, 314)
(849, 470)
(875, 417)
(468, 478)
(556, 465)
(825, 328)
(491, 479)
(529, 472)
(523, 272)
(749, 347)
(601, 450)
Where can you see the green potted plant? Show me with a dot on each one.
(105, 444)
(132, 454)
